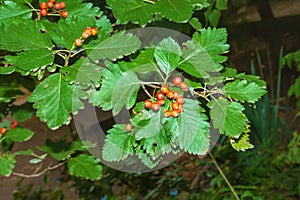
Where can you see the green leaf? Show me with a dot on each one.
(295, 88)
(195, 23)
(19, 134)
(167, 55)
(136, 11)
(203, 52)
(7, 163)
(242, 144)
(82, 10)
(22, 113)
(114, 47)
(243, 91)
(125, 92)
(252, 78)
(7, 70)
(25, 36)
(221, 4)
(66, 31)
(28, 152)
(54, 100)
(228, 117)
(10, 11)
(193, 128)
(9, 92)
(148, 161)
(153, 126)
(57, 150)
(34, 59)
(82, 72)
(179, 11)
(118, 144)
(85, 166)
(144, 62)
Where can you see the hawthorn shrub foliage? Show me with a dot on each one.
(61, 60)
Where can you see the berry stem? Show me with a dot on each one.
(77, 52)
(145, 90)
(69, 55)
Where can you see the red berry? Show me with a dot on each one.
(78, 42)
(160, 96)
(94, 31)
(43, 5)
(175, 113)
(43, 12)
(164, 89)
(62, 5)
(176, 95)
(161, 102)
(175, 106)
(170, 94)
(57, 6)
(177, 80)
(52, 1)
(148, 103)
(50, 4)
(64, 14)
(183, 86)
(2, 130)
(180, 100)
(155, 106)
(167, 113)
(128, 127)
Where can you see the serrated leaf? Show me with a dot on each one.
(118, 144)
(125, 92)
(195, 23)
(192, 133)
(85, 166)
(148, 161)
(228, 117)
(19, 134)
(203, 52)
(114, 47)
(136, 11)
(7, 163)
(143, 63)
(34, 59)
(242, 144)
(54, 100)
(7, 70)
(251, 78)
(153, 126)
(82, 10)
(66, 31)
(179, 11)
(82, 72)
(243, 91)
(167, 55)
(25, 36)
(10, 11)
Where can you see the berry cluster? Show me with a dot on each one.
(58, 7)
(12, 126)
(87, 32)
(176, 101)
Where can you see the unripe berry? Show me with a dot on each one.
(94, 31)
(43, 5)
(78, 42)
(64, 14)
(43, 12)
(148, 103)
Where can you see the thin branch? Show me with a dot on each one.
(145, 90)
(35, 174)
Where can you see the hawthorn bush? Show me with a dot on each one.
(64, 53)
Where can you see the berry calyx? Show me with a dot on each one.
(164, 89)
(128, 127)
(155, 106)
(78, 42)
(62, 5)
(57, 6)
(50, 4)
(148, 103)
(167, 113)
(43, 5)
(180, 99)
(64, 14)
(160, 96)
(43, 12)
(177, 80)
(175, 106)
(183, 86)
(170, 94)
(175, 113)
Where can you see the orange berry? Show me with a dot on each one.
(161, 102)
(43, 12)
(175, 106)
(148, 103)
(170, 94)
(64, 14)
(78, 42)
(183, 86)
(62, 5)
(175, 113)
(164, 89)
(128, 127)
(167, 114)
(180, 99)
(94, 31)
(155, 106)
(177, 80)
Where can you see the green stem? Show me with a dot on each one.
(224, 177)
(148, 1)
